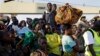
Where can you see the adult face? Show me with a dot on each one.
(48, 28)
(29, 21)
(54, 7)
(49, 6)
(37, 27)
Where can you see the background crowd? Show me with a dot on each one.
(44, 37)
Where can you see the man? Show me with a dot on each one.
(52, 15)
(46, 13)
(92, 40)
(29, 22)
(53, 41)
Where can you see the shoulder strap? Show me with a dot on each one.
(91, 32)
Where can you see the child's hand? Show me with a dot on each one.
(74, 36)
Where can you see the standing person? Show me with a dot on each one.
(52, 16)
(29, 22)
(53, 41)
(69, 43)
(46, 14)
(92, 40)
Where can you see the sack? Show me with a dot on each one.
(67, 14)
(81, 41)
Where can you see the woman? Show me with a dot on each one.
(69, 42)
(22, 28)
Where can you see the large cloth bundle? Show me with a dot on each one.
(67, 14)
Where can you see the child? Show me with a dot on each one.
(68, 42)
(42, 51)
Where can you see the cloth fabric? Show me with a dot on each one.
(31, 40)
(52, 18)
(34, 22)
(54, 42)
(47, 16)
(68, 43)
(97, 43)
(22, 31)
(88, 38)
(67, 14)
(15, 27)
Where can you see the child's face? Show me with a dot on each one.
(69, 31)
(43, 43)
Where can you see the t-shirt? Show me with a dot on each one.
(88, 38)
(68, 43)
(15, 27)
(54, 42)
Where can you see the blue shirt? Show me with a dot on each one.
(68, 43)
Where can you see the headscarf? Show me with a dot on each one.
(34, 22)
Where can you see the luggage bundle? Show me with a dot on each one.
(67, 14)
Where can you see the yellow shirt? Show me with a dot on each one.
(54, 42)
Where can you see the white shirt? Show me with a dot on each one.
(88, 38)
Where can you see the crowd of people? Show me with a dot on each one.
(43, 37)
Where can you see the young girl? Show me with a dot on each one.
(69, 43)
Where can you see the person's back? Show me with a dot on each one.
(92, 41)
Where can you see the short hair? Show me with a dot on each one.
(49, 3)
(54, 5)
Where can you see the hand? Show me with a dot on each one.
(74, 36)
